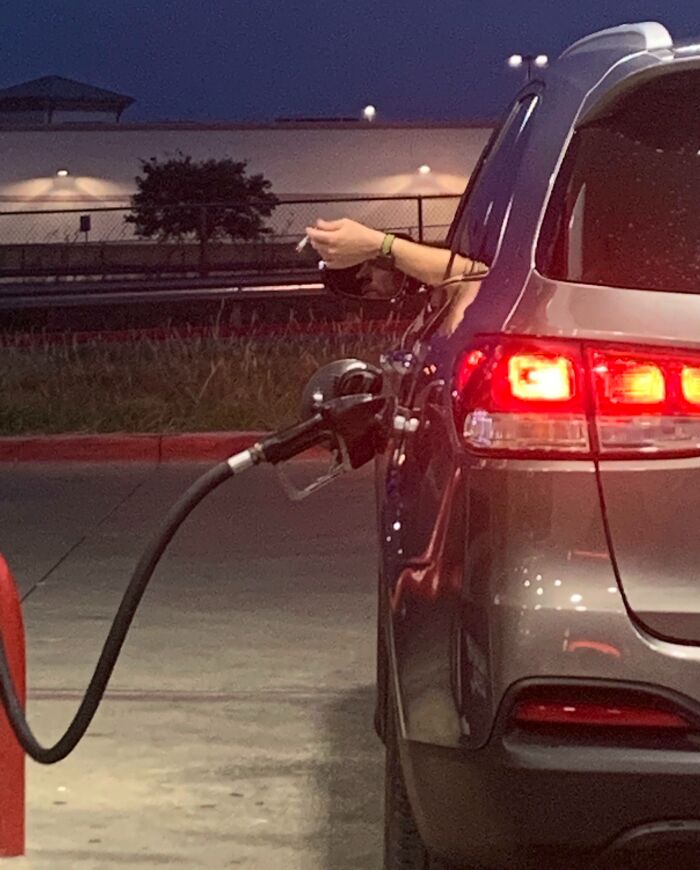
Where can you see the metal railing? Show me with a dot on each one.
(98, 243)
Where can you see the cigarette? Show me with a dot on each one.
(302, 244)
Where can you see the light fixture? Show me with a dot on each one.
(369, 113)
(62, 173)
(424, 169)
(529, 61)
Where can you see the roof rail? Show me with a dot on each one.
(643, 36)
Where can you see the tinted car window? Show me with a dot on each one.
(624, 208)
(481, 221)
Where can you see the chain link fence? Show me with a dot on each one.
(100, 242)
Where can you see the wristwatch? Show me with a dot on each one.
(385, 257)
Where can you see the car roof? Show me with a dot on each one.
(602, 60)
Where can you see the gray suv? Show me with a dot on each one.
(539, 497)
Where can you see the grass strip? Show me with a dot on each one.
(184, 383)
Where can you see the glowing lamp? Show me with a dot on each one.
(535, 377)
(636, 382)
(690, 381)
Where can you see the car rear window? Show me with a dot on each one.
(625, 208)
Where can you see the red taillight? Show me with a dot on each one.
(591, 715)
(523, 395)
(550, 396)
(540, 377)
(469, 363)
(690, 384)
(629, 382)
(646, 400)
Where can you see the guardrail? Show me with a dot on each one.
(80, 293)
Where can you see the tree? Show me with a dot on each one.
(209, 200)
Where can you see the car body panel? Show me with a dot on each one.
(652, 512)
(612, 314)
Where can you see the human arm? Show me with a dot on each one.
(345, 243)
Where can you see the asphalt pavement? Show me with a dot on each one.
(237, 730)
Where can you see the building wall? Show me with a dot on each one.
(26, 117)
(37, 117)
(300, 161)
(304, 161)
(87, 117)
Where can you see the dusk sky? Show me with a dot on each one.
(259, 59)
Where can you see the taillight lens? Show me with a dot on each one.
(520, 395)
(538, 377)
(690, 384)
(523, 395)
(629, 383)
(595, 715)
(646, 401)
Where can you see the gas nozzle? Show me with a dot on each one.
(341, 408)
(350, 421)
(340, 403)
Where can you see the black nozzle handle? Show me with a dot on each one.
(295, 439)
(350, 419)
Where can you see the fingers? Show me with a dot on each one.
(330, 225)
(323, 236)
(338, 242)
(322, 229)
(320, 241)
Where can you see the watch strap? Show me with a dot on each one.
(387, 243)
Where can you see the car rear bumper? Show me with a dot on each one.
(522, 804)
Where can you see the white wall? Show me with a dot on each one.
(298, 161)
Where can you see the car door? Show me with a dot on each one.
(422, 520)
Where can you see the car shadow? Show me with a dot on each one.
(352, 785)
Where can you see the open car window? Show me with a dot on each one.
(481, 219)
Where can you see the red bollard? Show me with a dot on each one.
(11, 753)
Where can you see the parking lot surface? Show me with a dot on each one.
(237, 729)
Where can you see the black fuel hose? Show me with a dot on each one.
(341, 415)
(275, 448)
(117, 633)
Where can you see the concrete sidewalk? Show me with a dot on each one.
(238, 726)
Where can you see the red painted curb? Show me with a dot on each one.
(132, 448)
(80, 448)
(205, 445)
